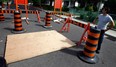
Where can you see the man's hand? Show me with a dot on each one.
(94, 21)
(110, 26)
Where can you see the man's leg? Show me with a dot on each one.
(100, 41)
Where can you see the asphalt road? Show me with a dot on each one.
(62, 58)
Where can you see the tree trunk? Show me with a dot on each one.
(51, 2)
(66, 3)
(0, 3)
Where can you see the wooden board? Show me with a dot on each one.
(28, 45)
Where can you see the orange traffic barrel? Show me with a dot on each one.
(88, 55)
(48, 20)
(12, 11)
(18, 23)
(1, 15)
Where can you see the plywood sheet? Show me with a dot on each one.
(28, 45)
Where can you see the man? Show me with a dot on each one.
(105, 22)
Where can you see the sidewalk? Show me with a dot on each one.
(109, 32)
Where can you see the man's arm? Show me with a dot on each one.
(94, 21)
(110, 26)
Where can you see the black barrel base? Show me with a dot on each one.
(1, 20)
(18, 32)
(3, 62)
(47, 27)
(84, 58)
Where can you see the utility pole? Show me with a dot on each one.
(101, 4)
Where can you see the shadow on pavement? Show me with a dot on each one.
(73, 50)
(8, 29)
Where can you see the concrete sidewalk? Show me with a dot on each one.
(111, 33)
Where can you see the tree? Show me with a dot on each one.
(111, 4)
(2, 2)
(36, 2)
(87, 3)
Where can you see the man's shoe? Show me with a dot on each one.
(97, 51)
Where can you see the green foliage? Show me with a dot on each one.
(88, 16)
(47, 7)
(4, 0)
(95, 8)
(36, 0)
(78, 8)
(29, 1)
(65, 9)
(89, 8)
(81, 16)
